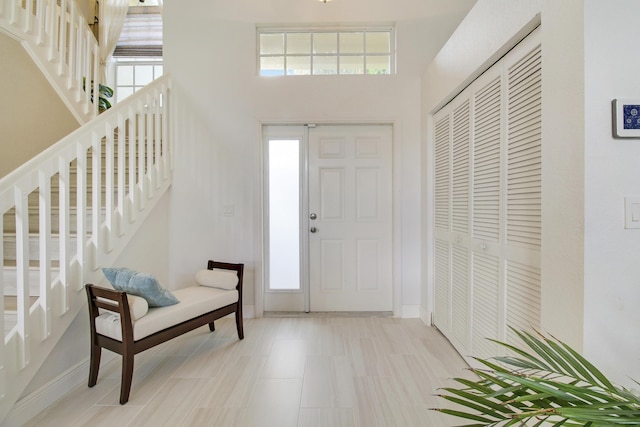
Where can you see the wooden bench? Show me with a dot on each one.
(116, 330)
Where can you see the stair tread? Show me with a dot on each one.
(11, 303)
(11, 265)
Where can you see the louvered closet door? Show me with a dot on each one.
(487, 205)
(452, 220)
(524, 188)
(442, 262)
(460, 217)
(486, 279)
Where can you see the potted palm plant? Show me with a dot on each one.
(548, 384)
(104, 92)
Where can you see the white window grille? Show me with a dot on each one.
(341, 51)
(134, 73)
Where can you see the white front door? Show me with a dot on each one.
(350, 218)
(328, 218)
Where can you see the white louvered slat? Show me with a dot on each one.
(486, 305)
(442, 307)
(486, 164)
(523, 298)
(460, 297)
(520, 73)
(460, 169)
(443, 174)
(524, 160)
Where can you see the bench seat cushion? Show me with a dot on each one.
(194, 301)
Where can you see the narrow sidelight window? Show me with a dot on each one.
(284, 214)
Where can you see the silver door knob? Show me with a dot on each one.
(313, 216)
(313, 229)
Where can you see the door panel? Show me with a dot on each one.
(332, 188)
(332, 267)
(350, 191)
(368, 254)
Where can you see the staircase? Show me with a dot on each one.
(73, 208)
(68, 212)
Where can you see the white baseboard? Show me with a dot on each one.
(248, 311)
(410, 311)
(424, 316)
(37, 401)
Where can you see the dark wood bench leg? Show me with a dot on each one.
(127, 375)
(212, 327)
(94, 364)
(239, 324)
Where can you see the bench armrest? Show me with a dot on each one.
(238, 268)
(111, 300)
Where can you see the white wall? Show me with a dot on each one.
(611, 252)
(488, 31)
(590, 268)
(198, 231)
(209, 50)
(563, 170)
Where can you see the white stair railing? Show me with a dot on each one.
(56, 35)
(86, 195)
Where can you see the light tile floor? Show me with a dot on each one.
(291, 371)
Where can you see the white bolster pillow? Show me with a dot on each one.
(138, 306)
(217, 278)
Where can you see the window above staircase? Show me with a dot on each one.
(138, 53)
(141, 34)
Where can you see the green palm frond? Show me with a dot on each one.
(104, 92)
(545, 384)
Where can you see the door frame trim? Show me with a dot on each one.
(259, 203)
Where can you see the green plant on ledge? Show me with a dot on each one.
(104, 92)
(549, 384)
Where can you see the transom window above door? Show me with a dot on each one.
(296, 52)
